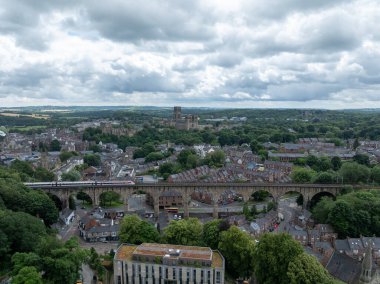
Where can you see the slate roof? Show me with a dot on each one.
(344, 268)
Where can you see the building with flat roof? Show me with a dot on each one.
(164, 263)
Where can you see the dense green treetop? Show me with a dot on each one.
(184, 232)
(352, 214)
(306, 269)
(212, 232)
(272, 255)
(237, 247)
(133, 230)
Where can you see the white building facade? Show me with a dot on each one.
(161, 263)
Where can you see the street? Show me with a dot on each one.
(288, 207)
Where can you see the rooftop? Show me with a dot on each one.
(126, 252)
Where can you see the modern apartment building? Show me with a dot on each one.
(163, 263)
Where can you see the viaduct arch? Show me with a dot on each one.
(215, 190)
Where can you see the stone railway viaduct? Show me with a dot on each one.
(215, 190)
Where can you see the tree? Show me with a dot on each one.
(336, 163)
(92, 160)
(353, 214)
(60, 261)
(109, 197)
(361, 159)
(72, 204)
(356, 144)
(341, 218)
(322, 209)
(133, 230)
(22, 259)
(184, 155)
(184, 232)
(306, 269)
(324, 178)
(353, 172)
(39, 204)
(238, 249)
(84, 197)
(212, 231)
(272, 255)
(154, 156)
(260, 195)
(323, 164)
(246, 211)
(299, 200)
(65, 155)
(25, 169)
(215, 159)
(27, 275)
(167, 169)
(55, 145)
(95, 262)
(375, 174)
(192, 162)
(42, 174)
(95, 148)
(301, 175)
(311, 160)
(22, 230)
(72, 175)
(255, 146)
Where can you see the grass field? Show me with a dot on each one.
(33, 115)
(26, 128)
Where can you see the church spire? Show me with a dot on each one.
(366, 273)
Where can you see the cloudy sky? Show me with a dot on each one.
(221, 53)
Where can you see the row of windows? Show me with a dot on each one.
(205, 275)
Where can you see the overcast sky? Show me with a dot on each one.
(221, 53)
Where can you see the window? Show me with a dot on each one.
(194, 275)
(218, 277)
(174, 272)
(166, 273)
(119, 279)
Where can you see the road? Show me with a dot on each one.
(288, 207)
(87, 274)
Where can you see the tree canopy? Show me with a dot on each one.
(184, 232)
(237, 247)
(133, 230)
(352, 214)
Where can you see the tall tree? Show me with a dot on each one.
(306, 269)
(55, 145)
(27, 275)
(238, 249)
(133, 230)
(212, 231)
(272, 256)
(184, 232)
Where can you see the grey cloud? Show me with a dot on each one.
(255, 54)
(167, 20)
(301, 92)
(226, 59)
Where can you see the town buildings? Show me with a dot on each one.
(180, 122)
(164, 263)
